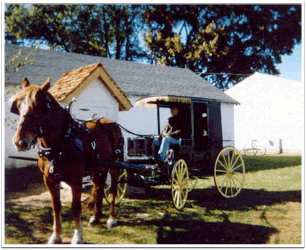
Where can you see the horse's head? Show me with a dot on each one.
(31, 104)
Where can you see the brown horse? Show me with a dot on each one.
(68, 151)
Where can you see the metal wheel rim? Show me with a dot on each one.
(229, 172)
(180, 184)
(121, 188)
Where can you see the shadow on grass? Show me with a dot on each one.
(23, 222)
(17, 227)
(248, 199)
(189, 229)
(17, 179)
(174, 228)
(201, 232)
(211, 199)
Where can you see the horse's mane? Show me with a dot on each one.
(30, 93)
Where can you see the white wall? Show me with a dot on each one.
(141, 119)
(227, 121)
(95, 99)
(10, 127)
(272, 109)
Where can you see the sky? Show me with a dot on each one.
(291, 66)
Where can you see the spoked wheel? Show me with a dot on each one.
(229, 172)
(121, 187)
(180, 184)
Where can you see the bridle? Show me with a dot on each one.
(41, 128)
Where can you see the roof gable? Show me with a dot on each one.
(72, 83)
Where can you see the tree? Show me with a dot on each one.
(223, 43)
(19, 59)
(103, 30)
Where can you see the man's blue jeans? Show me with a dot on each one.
(167, 141)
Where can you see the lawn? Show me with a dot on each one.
(267, 211)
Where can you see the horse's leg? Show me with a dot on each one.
(96, 216)
(97, 196)
(54, 189)
(76, 208)
(114, 172)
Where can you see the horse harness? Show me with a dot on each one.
(64, 153)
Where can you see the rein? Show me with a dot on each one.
(132, 133)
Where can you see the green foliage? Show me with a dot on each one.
(101, 30)
(221, 43)
(19, 59)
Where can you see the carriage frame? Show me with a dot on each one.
(199, 155)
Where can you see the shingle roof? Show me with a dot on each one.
(133, 78)
(70, 81)
(78, 79)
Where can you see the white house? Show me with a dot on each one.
(104, 86)
(271, 111)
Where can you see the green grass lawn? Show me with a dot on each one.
(267, 211)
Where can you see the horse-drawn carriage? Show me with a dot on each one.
(199, 153)
(70, 149)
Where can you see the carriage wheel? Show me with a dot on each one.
(180, 184)
(229, 172)
(121, 187)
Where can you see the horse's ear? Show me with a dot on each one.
(46, 85)
(14, 108)
(25, 83)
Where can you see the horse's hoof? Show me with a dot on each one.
(93, 221)
(77, 237)
(111, 223)
(55, 239)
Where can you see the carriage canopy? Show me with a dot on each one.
(152, 101)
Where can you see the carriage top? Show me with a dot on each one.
(162, 101)
(167, 100)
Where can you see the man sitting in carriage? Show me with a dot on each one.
(173, 131)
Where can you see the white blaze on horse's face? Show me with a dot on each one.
(24, 138)
(24, 104)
